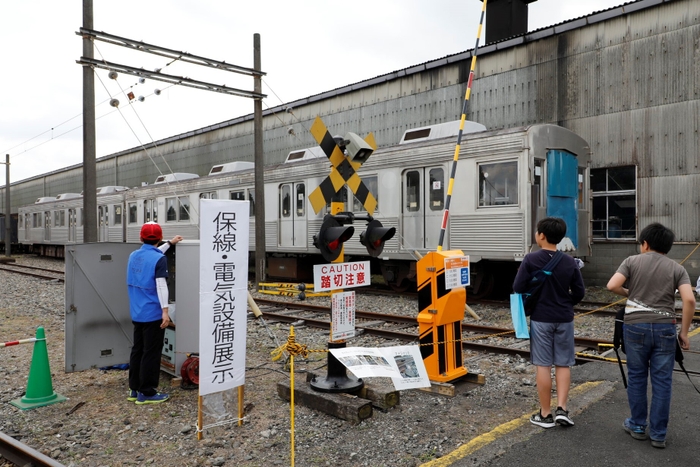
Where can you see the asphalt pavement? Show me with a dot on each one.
(598, 404)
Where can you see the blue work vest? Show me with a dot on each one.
(141, 283)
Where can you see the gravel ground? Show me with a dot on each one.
(109, 431)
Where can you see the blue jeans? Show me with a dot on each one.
(651, 350)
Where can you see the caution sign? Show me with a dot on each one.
(344, 167)
(456, 272)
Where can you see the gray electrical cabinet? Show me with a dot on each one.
(98, 325)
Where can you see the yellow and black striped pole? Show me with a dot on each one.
(441, 310)
(446, 212)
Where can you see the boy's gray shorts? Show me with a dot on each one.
(552, 344)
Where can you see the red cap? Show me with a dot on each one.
(151, 231)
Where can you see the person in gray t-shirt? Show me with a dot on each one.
(650, 329)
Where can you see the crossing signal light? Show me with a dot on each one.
(374, 237)
(331, 237)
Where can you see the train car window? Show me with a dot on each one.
(184, 208)
(371, 183)
(614, 209)
(170, 210)
(132, 213)
(498, 184)
(62, 218)
(437, 189)
(55, 218)
(209, 195)
(117, 215)
(412, 191)
(301, 199)
(285, 201)
(251, 198)
(236, 195)
(35, 220)
(537, 182)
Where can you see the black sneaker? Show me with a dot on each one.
(561, 417)
(544, 422)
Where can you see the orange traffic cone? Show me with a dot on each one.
(39, 387)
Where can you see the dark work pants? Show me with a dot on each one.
(144, 365)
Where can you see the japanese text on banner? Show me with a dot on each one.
(223, 293)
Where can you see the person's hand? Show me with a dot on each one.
(685, 342)
(175, 239)
(166, 319)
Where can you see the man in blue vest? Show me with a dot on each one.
(146, 276)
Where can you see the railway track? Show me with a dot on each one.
(369, 323)
(22, 455)
(390, 326)
(41, 273)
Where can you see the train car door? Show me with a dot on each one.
(47, 226)
(423, 202)
(27, 227)
(292, 215)
(562, 191)
(72, 221)
(103, 223)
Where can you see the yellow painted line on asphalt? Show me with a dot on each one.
(692, 333)
(501, 430)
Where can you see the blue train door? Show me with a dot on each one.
(562, 191)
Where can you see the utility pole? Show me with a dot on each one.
(89, 151)
(8, 210)
(260, 252)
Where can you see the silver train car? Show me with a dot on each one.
(506, 180)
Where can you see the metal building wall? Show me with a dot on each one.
(626, 79)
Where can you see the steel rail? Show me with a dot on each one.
(22, 455)
(56, 271)
(40, 276)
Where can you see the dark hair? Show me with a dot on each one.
(658, 237)
(149, 241)
(553, 228)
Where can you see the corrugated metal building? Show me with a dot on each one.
(626, 79)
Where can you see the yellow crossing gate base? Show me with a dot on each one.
(440, 316)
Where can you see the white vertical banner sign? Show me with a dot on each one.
(223, 294)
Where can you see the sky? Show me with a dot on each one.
(307, 47)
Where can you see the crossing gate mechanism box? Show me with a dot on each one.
(99, 332)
